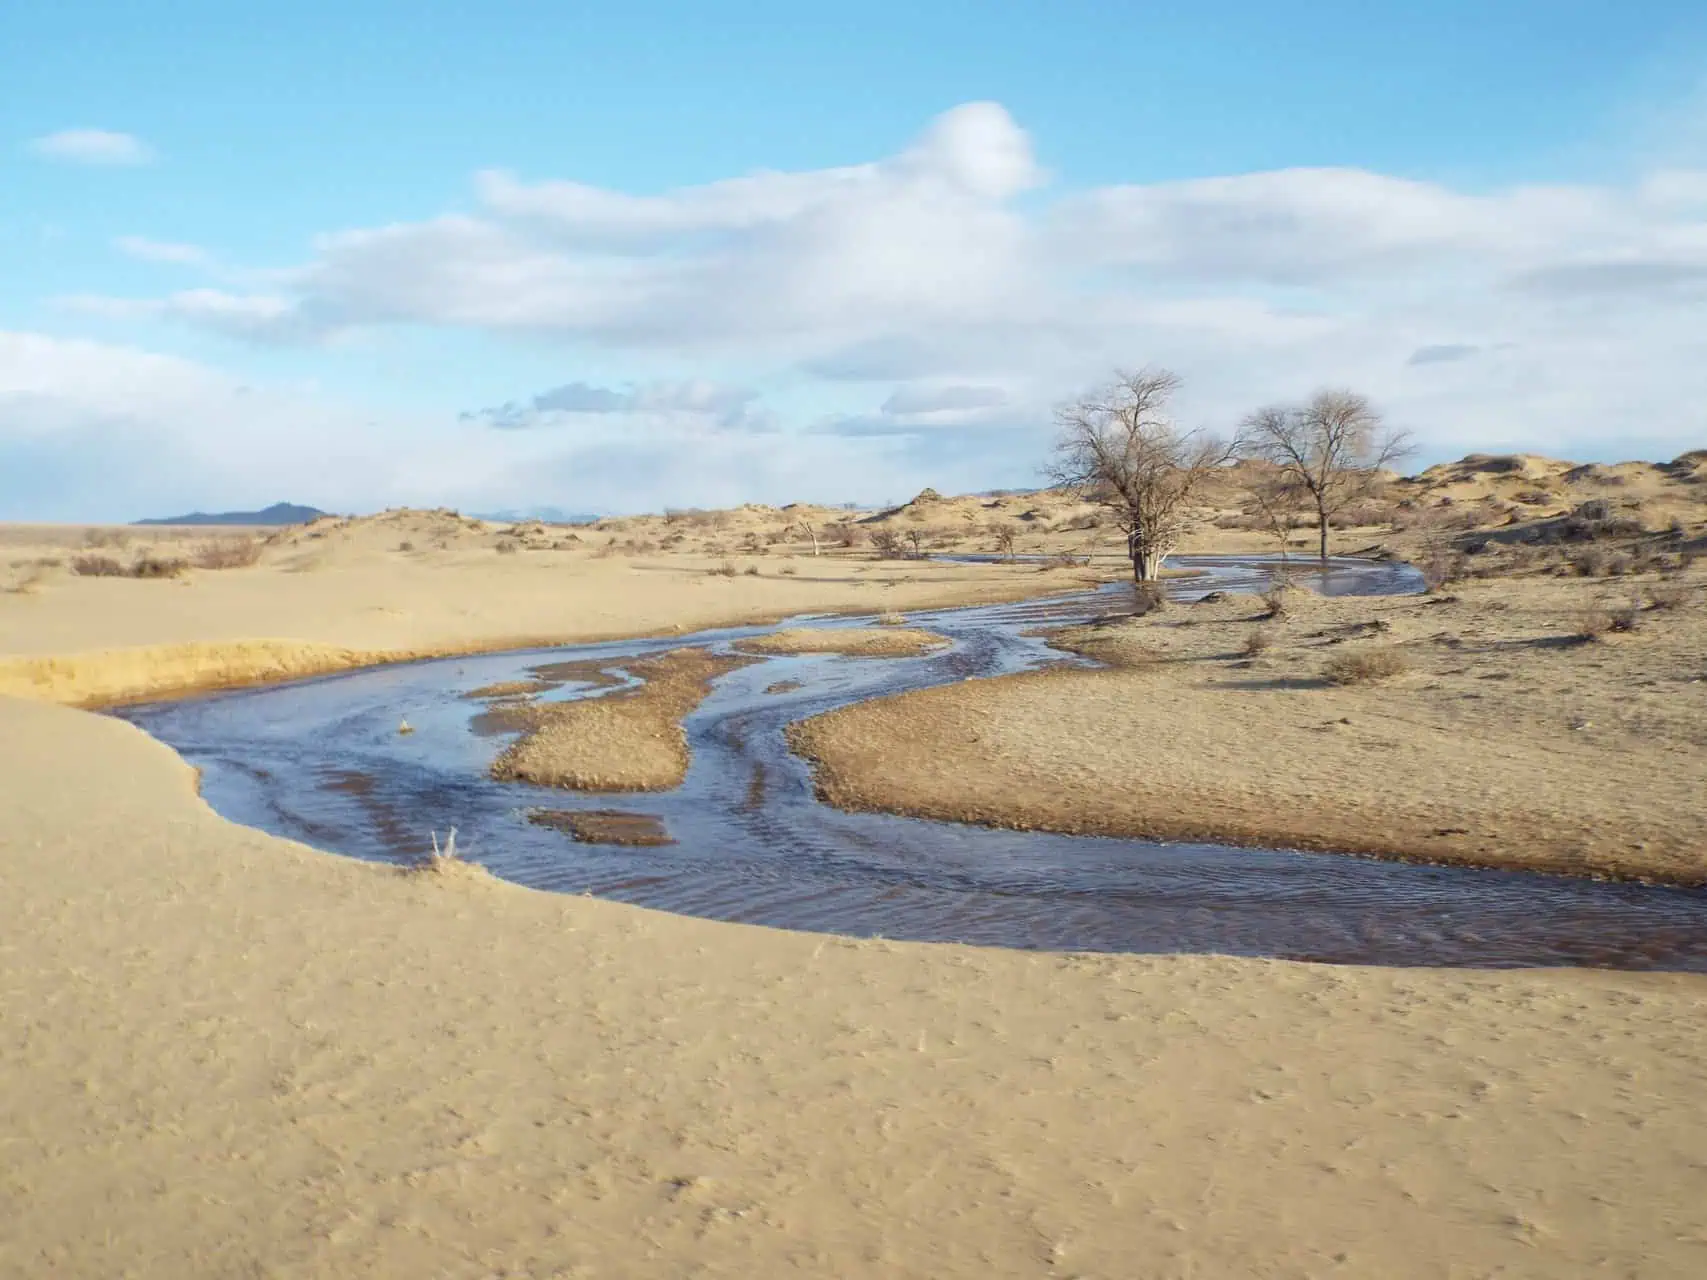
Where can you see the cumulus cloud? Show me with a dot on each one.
(926, 271)
(93, 147)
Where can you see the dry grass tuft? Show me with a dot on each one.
(1366, 666)
(1258, 642)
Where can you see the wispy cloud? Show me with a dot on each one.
(93, 147)
(145, 250)
(727, 407)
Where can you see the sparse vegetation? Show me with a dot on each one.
(227, 553)
(1258, 642)
(1365, 666)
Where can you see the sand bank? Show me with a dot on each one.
(630, 740)
(227, 1054)
(1507, 740)
(858, 642)
(91, 641)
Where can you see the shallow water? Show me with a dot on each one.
(321, 761)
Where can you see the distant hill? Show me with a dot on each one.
(280, 513)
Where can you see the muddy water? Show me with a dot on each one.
(322, 761)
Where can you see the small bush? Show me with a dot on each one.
(752, 571)
(1667, 597)
(724, 570)
(149, 565)
(889, 619)
(1258, 642)
(227, 553)
(1364, 666)
(405, 546)
(1590, 562)
(887, 543)
(508, 547)
(106, 538)
(97, 567)
(1147, 597)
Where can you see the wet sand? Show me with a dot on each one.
(628, 740)
(857, 642)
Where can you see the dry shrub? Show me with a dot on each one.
(888, 619)
(887, 543)
(752, 571)
(227, 553)
(150, 565)
(106, 538)
(508, 547)
(1590, 562)
(789, 570)
(1147, 597)
(1258, 642)
(405, 546)
(1366, 666)
(1667, 597)
(724, 570)
(97, 567)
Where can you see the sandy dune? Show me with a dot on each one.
(226, 1054)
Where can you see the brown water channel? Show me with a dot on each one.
(321, 761)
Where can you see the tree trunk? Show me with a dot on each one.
(1147, 559)
(1322, 518)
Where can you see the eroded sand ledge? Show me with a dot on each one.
(1506, 742)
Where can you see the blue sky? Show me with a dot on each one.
(612, 257)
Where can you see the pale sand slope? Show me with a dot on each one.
(224, 1054)
(75, 639)
(1505, 742)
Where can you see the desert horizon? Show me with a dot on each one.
(670, 641)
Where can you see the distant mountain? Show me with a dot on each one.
(278, 513)
(546, 515)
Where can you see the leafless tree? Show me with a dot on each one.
(1005, 535)
(1118, 449)
(1333, 448)
(1279, 501)
(810, 533)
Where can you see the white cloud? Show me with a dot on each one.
(91, 430)
(1526, 313)
(93, 146)
(145, 250)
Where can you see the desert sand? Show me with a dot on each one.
(224, 1053)
(228, 1054)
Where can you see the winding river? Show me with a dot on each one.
(322, 761)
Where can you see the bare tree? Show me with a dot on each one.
(1279, 501)
(810, 533)
(1332, 448)
(1118, 449)
(1005, 535)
